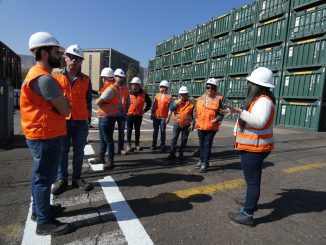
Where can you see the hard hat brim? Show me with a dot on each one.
(262, 83)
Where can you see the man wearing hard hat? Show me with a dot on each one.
(43, 110)
(77, 89)
(183, 121)
(160, 111)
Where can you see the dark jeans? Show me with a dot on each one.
(103, 144)
(106, 127)
(252, 165)
(205, 145)
(184, 137)
(45, 155)
(121, 120)
(131, 122)
(77, 132)
(159, 123)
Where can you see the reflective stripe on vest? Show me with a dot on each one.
(76, 94)
(111, 107)
(205, 113)
(183, 113)
(256, 140)
(161, 105)
(136, 104)
(39, 118)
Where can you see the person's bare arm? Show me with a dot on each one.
(61, 104)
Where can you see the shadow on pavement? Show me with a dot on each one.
(293, 201)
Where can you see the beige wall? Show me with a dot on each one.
(92, 67)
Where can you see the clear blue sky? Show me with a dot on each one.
(132, 27)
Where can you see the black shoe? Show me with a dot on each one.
(198, 165)
(203, 168)
(196, 153)
(109, 165)
(82, 184)
(153, 148)
(54, 228)
(240, 201)
(180, 154)
(242, 218)
(163, 148)
(171, 157)
(55, 209)
(60, 186)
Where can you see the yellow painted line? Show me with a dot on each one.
(206, 189)
(10, 230)
(304, 167)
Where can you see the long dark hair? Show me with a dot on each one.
(253, 92)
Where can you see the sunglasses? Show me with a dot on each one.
(211, 88)
(74, 57)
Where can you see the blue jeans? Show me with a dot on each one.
(106, 126)
(77, 132)
(205, 145)
(252, 165)
(159, 123)
(121, 120)
(184, 137)
(103, 144)
(46, 154)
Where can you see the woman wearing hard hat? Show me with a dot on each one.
(254, 139)
(208, 121)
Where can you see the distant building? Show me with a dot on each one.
(96, 59)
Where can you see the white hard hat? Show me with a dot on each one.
(212, 81)
(75, 50)
(164, 83)
(262, 76)
(136, 80)
(42, 39)
(107, 72)
(183, 90)
(119, 72)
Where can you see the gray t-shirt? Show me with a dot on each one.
(46, 87)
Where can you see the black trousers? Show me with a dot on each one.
(133, 122)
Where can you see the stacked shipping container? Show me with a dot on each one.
(287, 36)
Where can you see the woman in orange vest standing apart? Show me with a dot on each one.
(138, 99)
(160, 111)
(208, 121)
(254, 139)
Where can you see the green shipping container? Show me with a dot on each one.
(166, 74)
(200, 69)
(158, 76)
(202, 51)
(271, 58)
(242, 40)
(268, 9)
(271, 32)
(204, 32)
(158, 62)
(151, 76)
(168, 46)
(221, 24)
(236, 87)
(236, 103)
(167, 60)
(245, 16)
(176, 58)
(175, 88)
(176, 73)
(308, 84)
(218, 67)
(151, 64)
(188, 55)
(306, 53)
(186, 72)
(178, 42)
(302, 115)
(199, 87)
(308, 22)
(240, 63)
(296, 4)
(160, 49)
(189, 38)
(220, 46)
(189, 85)
(277, 83)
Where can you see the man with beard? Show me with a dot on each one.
(43, 111)
(77, 89)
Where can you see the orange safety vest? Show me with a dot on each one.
(206, 113)
(105, 85)
(76, 94)
(39, 118)
(111, 107)
(183, 113)
(161, 105)
(254, 139)
(136, 104)
(124, 93)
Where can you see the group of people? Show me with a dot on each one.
(56, 106)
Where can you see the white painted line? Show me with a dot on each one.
(30, 236)
(88, 150)
(131, 227)
(95, 167)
